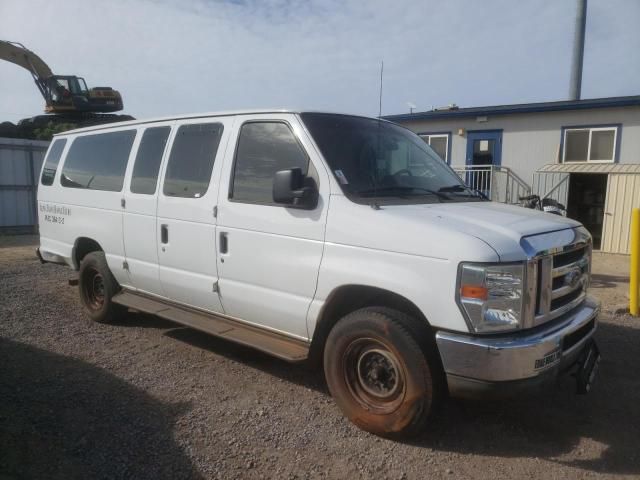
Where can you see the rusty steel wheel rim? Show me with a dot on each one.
(94, 289)
(374, 375)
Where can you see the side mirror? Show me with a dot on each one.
(292, 188)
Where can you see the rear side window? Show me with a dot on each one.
(98, 162)
(263, 149)
(148, 159)
(52, 160)
(191, 160)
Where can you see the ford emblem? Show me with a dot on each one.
(573, 277)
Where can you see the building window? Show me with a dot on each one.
(590, 144)
(439, 142)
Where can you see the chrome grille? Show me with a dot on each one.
(563, 279)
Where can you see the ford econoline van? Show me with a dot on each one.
(328, 238)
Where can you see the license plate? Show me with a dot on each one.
(588, 368)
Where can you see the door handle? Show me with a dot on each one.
(164, 233)
(224, 243)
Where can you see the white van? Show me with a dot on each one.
(338, 239)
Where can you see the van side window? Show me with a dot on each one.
(98, 162)
(52, 160)
(191, 160)
(148, 159)
(263, 149)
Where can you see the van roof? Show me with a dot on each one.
(228, 113)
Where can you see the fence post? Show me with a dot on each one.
(634, 267)
(492, 180)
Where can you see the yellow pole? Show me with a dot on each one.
(634, 268)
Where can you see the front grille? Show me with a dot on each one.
(562, 259)
(562, 282)
(565, 299)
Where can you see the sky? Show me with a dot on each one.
(182, 56)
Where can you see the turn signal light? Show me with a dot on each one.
(474, 291)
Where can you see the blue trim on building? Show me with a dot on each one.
(448, 134)
(617, 126)
(593, 103)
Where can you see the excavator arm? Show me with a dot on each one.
(67, 94)
(17, 53)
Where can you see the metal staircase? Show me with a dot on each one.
(498, 183)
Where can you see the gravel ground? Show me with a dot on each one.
(150, 399)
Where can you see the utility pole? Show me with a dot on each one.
(381, 72)
(575, 86)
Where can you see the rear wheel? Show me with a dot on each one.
(378, 373)
(97, 287)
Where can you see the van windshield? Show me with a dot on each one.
(375, 160)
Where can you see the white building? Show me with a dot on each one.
(584, 153)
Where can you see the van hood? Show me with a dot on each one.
(490, 218)
(443, 230)
(501, 226)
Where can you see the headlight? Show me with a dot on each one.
(490, 296)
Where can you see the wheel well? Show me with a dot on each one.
(82, 247)
(350, 298)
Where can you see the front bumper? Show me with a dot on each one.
(503, 365)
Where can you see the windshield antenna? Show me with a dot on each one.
(380, 103)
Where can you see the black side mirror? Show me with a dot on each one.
(292, 188)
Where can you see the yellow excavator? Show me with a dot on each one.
(63, 94)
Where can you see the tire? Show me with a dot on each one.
(97, 287)
(378, 373)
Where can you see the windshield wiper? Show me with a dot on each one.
(458, 187)
(375, 191)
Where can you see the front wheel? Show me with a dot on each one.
(378, 374)
(97, 287)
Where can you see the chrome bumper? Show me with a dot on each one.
(476, 365)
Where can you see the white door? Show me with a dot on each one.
(92, 179)
(623, 195)
(269, 255)
(186, 226)
(140, 204)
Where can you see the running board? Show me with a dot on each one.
(276, 344)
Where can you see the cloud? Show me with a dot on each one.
(169, 57)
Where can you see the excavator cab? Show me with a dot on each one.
(68, 93)
(62, 93)
(65, 86)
